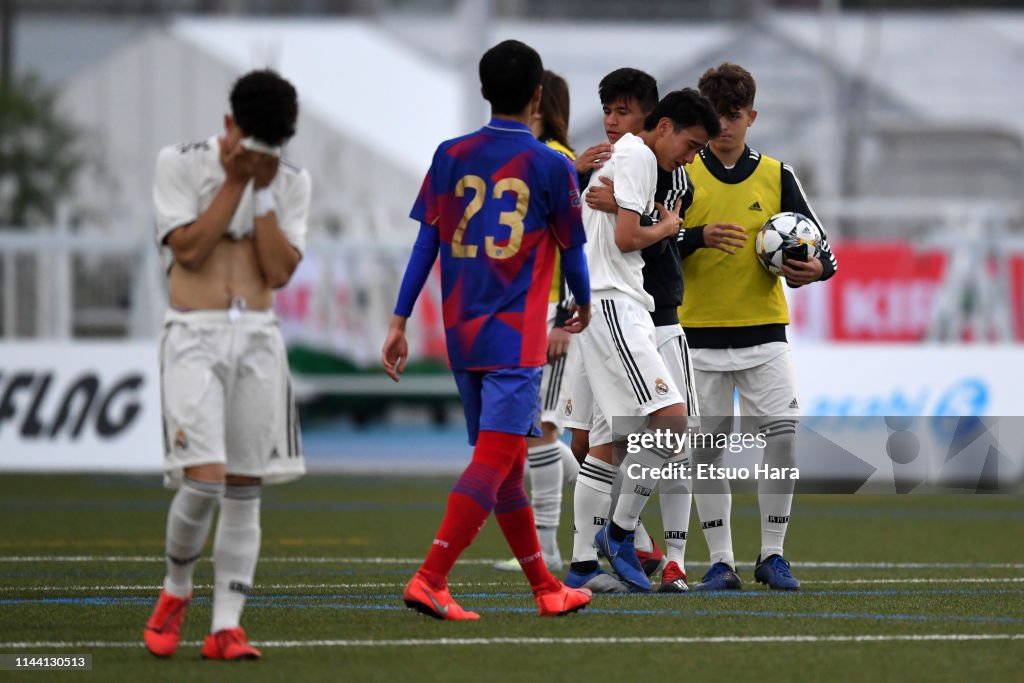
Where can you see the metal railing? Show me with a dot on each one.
(58, 283)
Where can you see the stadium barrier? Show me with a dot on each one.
(95, 406)
(80, 406)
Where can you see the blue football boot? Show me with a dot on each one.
(720, 577)
(774, 571)
(597, 581)
(622, 556)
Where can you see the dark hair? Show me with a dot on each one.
(509, 75)
(265, 106)
(685, 108)
(729, 86)
(554, 108)
(629, 84)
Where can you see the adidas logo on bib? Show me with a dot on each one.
(756, 206)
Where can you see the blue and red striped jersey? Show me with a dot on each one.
(502, 203)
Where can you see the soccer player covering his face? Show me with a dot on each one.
(497, 204)
(622, 372)
(735, 318)
(231, 225)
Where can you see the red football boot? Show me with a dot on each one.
(563, 601)
(229, 643)
(422, 597)
(653, 561)
(673, 579)
(163, 630)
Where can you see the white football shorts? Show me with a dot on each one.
(619, 371)
(767, 389)
(551, 380)
(675, 352)
(227, 396)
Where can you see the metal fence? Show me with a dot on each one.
(58, 283)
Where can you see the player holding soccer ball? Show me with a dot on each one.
(231, 225)
(497, 204)
(735, 317)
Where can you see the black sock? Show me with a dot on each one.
(586, 567)
(617, 533)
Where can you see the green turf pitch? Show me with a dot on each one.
(895, 588)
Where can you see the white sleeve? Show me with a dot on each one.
(293, 210)
(633, 189)
(175, 197)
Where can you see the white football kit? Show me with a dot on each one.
(551, 385)
(618, 371)
(226, 389)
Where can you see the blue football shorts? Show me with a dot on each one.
(502, 400)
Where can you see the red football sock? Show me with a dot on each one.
(515, 516)
(470, 503)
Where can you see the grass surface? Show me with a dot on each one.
(894, 588)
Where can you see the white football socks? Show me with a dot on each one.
(642, 538)
(545, 465)
(640, 476)
(570, 466)
(775, 496)
(188, 525)
(236, 547)
(674, 496)
(714, 507)
(591, 502)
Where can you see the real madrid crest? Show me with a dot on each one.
(660, 387)
(568, 407)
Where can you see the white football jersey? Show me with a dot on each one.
(188, 177)
(634, 170)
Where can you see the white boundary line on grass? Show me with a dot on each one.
(464, 584)
(646, 640)
(259, 586)
(419, 560)
(1009, 579)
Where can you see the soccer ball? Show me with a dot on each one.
(785, 237)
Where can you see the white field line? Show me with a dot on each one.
(419, 560)
(262, 586)
(1009, 579)
(443, 642)
(462, 584)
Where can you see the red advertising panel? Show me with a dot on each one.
(884, 291)
(890, 292)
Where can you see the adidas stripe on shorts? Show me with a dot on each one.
(618, 371)
(227, 396)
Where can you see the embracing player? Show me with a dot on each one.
(621, 372)
(622, 95)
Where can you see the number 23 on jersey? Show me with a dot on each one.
(511, 219)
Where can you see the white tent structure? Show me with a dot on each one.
(358, 133)
(377, 96)
(899, 125)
